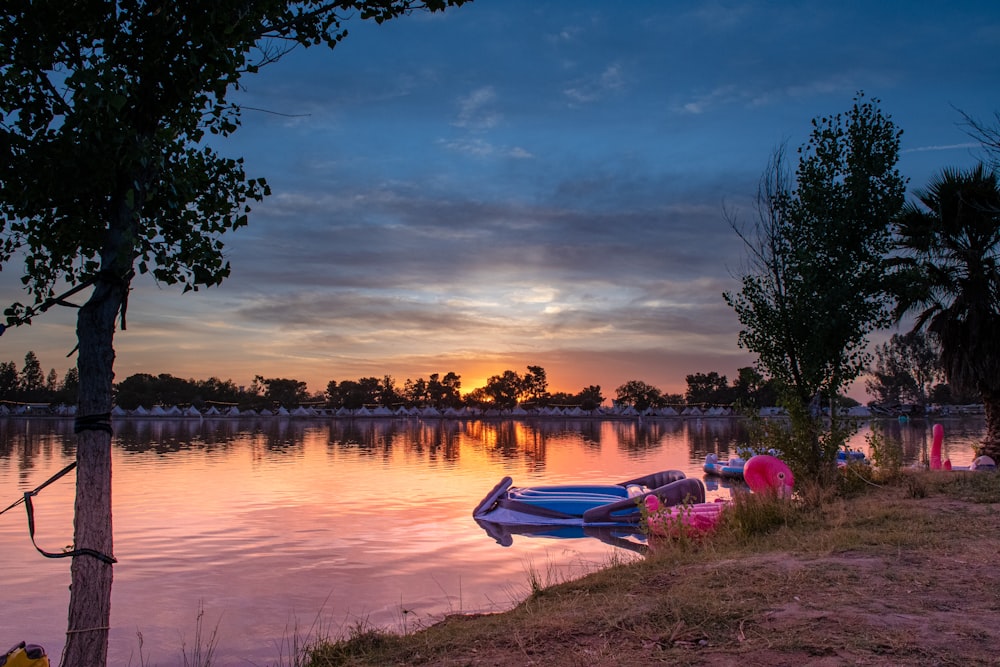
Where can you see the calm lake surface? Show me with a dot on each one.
(282, 529)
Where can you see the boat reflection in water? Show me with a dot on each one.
(630, 538)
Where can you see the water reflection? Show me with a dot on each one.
(622, 538)
(441, 439)
(266, 518)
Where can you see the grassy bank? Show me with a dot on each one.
(902, 573)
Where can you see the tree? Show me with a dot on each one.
(590, 397)
(444, 392)
(415, 392)
(70, 386)
(104, 113)
(504, 390)
(8, 380)
(348, 394)
(135, 390)
(451, 390)
(148, 390)
(987, 135)
(32, 379)
(479, 398)
(638, 394)
(948, 273)
(215, 390)
(814, 289)
(387, 393)
(52, 382)
(752, 390)
(708, 388)
(906, 368)
(284, 391)
(535, 386)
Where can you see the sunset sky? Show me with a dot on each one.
(525, 182)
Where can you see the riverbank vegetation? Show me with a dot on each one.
(893, 569)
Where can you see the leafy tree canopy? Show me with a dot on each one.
(814, 288)
(112, 102)
(105, 170)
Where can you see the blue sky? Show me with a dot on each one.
(524, 182)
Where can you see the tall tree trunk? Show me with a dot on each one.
(90, 593)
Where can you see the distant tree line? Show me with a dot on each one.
(749, 390)
(32, 385)
(906, 371)
(503, 391)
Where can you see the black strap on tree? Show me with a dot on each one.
(92, 422)
(101, 422)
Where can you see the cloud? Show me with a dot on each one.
(480, 148)
(586, 91)
(768, 95)
(475, 110)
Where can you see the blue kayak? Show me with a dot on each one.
(585, 504)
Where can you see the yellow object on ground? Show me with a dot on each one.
(25, 655)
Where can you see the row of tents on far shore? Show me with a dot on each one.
(401, 411)
(44, 409)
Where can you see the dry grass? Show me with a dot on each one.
(900, 574)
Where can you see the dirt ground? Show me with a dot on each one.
(913, 582)
(873, 606)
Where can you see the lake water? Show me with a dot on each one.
(282, 529)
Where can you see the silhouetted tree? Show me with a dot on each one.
(32, 379)
(814, 286)
(105, 170)
(283, 391)
(9, 379)
(504, 390)
(638, 394)
(708, 388)
(906, 367)
(590, 397)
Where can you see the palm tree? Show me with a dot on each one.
(948, 274)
